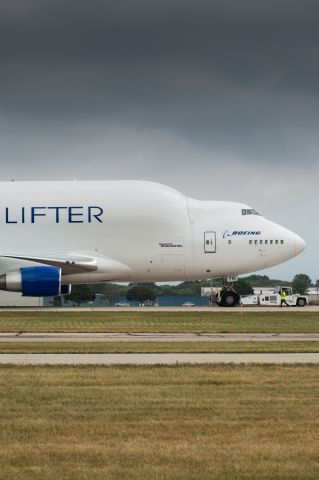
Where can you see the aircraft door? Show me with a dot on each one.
(210, 242)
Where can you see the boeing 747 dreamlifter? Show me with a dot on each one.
(54, 234)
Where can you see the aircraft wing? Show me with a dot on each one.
(69, 264)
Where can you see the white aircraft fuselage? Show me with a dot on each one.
(131, 231)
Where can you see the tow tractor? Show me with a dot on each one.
(227, 296)
(274, 298)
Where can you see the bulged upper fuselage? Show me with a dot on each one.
(134, 231)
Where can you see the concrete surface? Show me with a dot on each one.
(156, 337)
(158, 358)
(308, 308)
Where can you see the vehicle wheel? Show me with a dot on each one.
(229, 299)
(301, 302)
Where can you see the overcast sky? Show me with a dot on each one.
(219, 99)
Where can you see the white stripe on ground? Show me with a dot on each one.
(156, 337)
(158, 358)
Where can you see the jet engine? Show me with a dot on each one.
(42, 281)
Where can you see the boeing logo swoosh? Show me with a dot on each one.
(226, 233)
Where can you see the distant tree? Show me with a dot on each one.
(242, 287)
(264, 281)
(301, 282)
(188, 288)
(151, 285)
(108, 289)
(257, 278)
(57, 301)
(81, 294)
(167, 290)
(140, 294)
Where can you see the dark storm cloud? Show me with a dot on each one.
(190, 48)
(221, 71)
(216, 98)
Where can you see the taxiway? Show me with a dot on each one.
(156, 337)
(158, 358)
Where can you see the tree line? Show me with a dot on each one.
(150, 291)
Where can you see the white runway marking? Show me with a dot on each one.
(158, 358)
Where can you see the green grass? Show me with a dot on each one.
(141, 423)
(161, 347)
(219, 322)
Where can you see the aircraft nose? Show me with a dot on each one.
(300, 244)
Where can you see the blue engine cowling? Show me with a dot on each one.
(41, 281)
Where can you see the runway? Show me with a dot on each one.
(215, 309)
(156, 337)
(159, 358)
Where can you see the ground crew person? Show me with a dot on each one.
(283, 298)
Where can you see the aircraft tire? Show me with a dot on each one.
(229, 299)
(301, 302)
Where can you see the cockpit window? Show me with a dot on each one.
(249, 211)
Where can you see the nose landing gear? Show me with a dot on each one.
(228, 297)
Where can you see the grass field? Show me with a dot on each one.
(185, 422)
(221, 322)
(161, 347)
